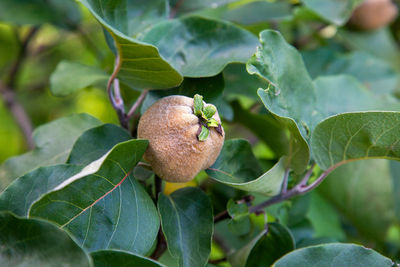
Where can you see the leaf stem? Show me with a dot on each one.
(138, 102)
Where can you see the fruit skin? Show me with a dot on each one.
(373, 14)
(174, 151)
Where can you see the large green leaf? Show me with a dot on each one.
(103, 206)
(237, 166)
(376, 74)
(249, 12)
(117, 258)
(355, 136)
(53, 141)
(187, 223)
(140, 65)
(70, 77)
(96, 142)
(353, 185)
(58, 12)
(199, 47)
(335, 254)
(298, 102)
(379, 43)
(90, 146)
(19, 196)
(324, 218)
(334, 11)
(28, 242)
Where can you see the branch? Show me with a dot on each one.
(19, 114)
(300, 189)
(7, 91)
(12, 76)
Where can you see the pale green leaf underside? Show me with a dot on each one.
(70, 77)
(53, 140)
(237, 166)
(355, 136)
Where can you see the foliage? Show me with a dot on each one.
(308, 174)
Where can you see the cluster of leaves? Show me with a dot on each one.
(327, 101)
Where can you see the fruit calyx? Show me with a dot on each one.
(206, 120)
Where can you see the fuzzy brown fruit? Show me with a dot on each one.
(373, 14)
(174, 151)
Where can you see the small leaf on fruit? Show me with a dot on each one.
(212, 123)
(204, 133)
(198, 105)
(209, 111)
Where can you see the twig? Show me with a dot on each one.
(19, 114)
(12, 76)
(7, 91)
(161, 243)
(299, 189)
(138, 102)
(161, 246)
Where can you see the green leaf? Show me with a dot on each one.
(249, 12)
(53, 141)
(103, 206)
(265, 127)
(96, 142)
(335, 254)
(376, 74)
(203, 134)
(351, 186)
(324, 218)
(336, 12)
(240, 227)
(264, 249)
(212, 123)
(297, 102)
(209, 111)
(117, 258)
(355, 136)
(140, 64)
(237, 211)
(237, 166)
(59, 13)
(69, 77)
(239, 82)
(198, 105)
(379, 43)
(187, 223)
(211, 88)
(19, 196)
(271, 247)
(217, 44)
(29, 242)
